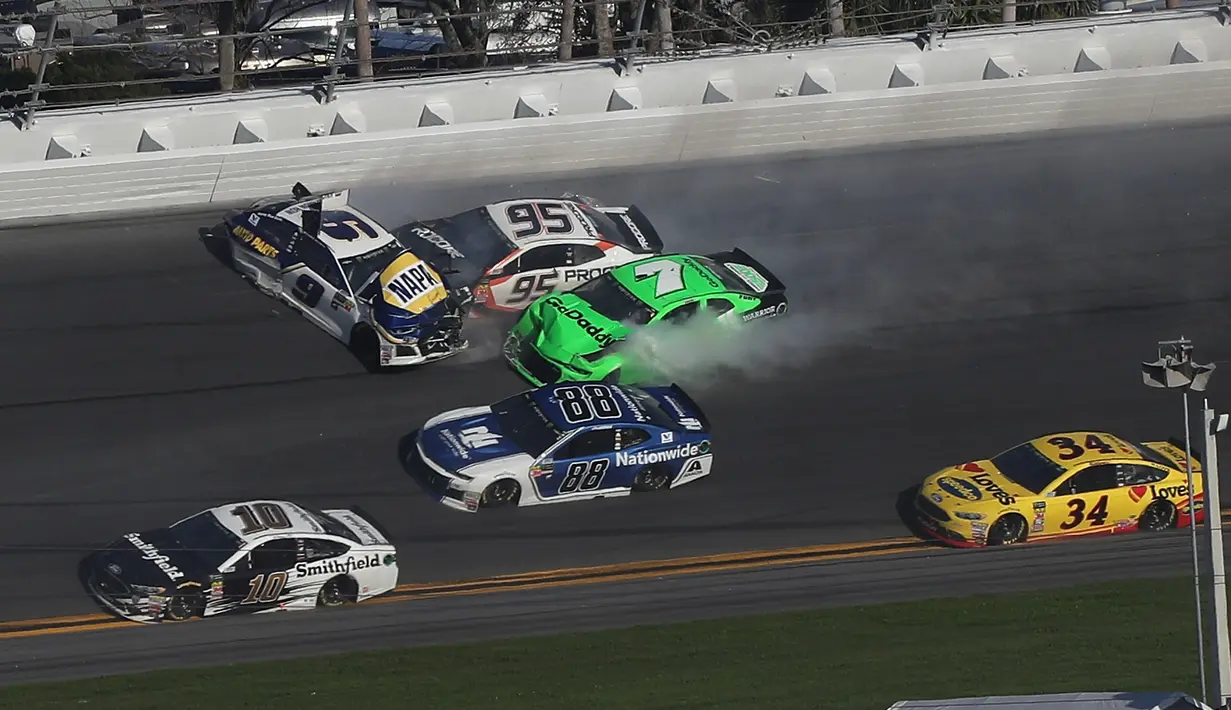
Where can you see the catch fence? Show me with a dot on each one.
(91, 55)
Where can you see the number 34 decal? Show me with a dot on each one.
(1078, 514)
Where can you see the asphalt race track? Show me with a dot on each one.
(947, 302)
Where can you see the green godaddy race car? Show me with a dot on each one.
(575, 336)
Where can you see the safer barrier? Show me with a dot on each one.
(1197, 85)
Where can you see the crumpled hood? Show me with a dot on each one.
(472, 439)
(567, 326)
(152, 558)
(974, 483)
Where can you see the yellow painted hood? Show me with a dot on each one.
(410, 284)
(974, 484)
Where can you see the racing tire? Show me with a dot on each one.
(1158, 516)
(183, 607)
(652, 478)
(1008, 530)
(339, 591)
(499, 494)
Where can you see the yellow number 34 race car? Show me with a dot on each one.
(1060, 485)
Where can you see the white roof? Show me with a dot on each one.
(269, 516)
(1169, 700)
(581, 226)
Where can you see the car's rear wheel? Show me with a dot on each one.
(501, 493)
(338, 591)
(652, 478)
(1158, 516)
(1008, 530)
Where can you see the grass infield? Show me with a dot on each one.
(1124, 636)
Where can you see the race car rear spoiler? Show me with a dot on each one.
(687, 403)
(311, 205)
(654, 243)
(739, 256)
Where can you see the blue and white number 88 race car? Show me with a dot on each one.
(560, 443)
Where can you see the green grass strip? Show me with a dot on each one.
(1127, 636)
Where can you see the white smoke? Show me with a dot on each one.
(706, 353)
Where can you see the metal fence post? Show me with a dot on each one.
(45, 55)
(637, 34)
(336, 61)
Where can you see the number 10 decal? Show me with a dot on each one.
(584, 476)
(265, 590)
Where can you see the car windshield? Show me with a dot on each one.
(610, 299)
(474, 235)
(522, 421)
(206, 537)
(359, 269)
(332, 525)
(1028, 467)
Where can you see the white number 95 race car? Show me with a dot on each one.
(348, 275)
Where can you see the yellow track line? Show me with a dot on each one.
(547, 579)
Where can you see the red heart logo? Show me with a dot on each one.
(1138, 492)
(972, 467)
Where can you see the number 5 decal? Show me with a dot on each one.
(1077, 513)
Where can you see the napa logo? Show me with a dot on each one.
(410, 284)
(959, 488)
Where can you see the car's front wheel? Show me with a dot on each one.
(185, 605)
(1008, 530)
(500, 493)
(1158, 516)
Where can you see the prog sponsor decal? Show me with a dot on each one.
(766, 312)
(750, 276)
(259, 245)
(577, 315)
(585, 274)
(343, 565)
(959, 488)
(151, 553)
(410, 284)
(642, 458)
(985, 481)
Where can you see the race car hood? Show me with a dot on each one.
(565, 326)
(1173, 453)
(410, 285)
(152, 558)
(473, 438)
(977, 483)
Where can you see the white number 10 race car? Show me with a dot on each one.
(350, 276)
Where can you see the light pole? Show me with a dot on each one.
(1218, 573)
(1174, 369)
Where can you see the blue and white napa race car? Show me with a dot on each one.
(560, 443)
(349, 276)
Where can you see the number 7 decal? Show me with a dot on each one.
(669, 280)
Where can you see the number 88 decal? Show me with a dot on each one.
(584, 475)
(582, 404)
